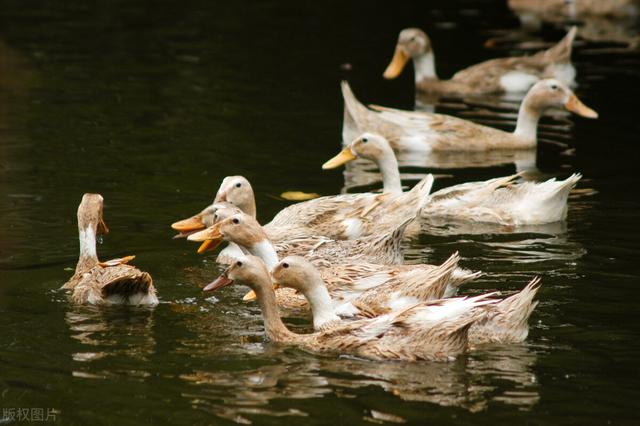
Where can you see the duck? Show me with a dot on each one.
(338, 217)
(500, 75)
(430, 132)
(384, 248)
(353, 280)
(504, 322)
(423, 332)
(104, 283)
(500, 200)
(576, 9)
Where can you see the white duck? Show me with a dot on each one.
(497, 200)
(424, 131)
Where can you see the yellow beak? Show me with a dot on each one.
(397, 64)
(211, 238)
(344, 157)
(251, 295)
(575, 105)
(194, 223)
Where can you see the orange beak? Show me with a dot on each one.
(343, 157)
(211, 238)
(575, 105)
(102, 227)
(397, 64)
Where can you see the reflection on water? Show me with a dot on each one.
(503, 374)
(153, 104)
(105, 332)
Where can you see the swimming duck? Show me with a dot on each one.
(422, 131)
(497, 200)
(346, 216)
(576, 9)
(110, 282)
(499, 75)
(434, 332)
(349, 281)
(382, 248)
(504, 322)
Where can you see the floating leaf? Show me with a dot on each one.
(299, 195)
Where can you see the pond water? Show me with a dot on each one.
(152, 104)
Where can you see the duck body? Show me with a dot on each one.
(340, 217)
(368, 290)
(498, 201)
(378, 286)
(436, 332)
(515, 74)
(105, 283)
(430, 132)
(501, 201)
(505, 321)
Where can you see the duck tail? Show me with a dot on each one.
(421, 192)
(354, 113)
(389, 246)
(443, 275)
(555, 193)
(140, 284)
(459, 277)
(351, 103)
(511, 320)
(561, 52)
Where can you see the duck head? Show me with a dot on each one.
(412, 43)
(239, 228)
(237, 190)
(248, 270)
(368, 145)
(550, 93)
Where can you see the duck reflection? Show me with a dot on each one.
(494, 374)
(122, 332)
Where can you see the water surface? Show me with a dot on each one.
(153, 104)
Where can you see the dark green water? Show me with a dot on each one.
(152, 104)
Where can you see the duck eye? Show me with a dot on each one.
(285, 265)
(238, 185)
(554, 87)
(236, 220)
(365, 140)
(238, 263)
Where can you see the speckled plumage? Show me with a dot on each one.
(483, 78)
(111, 282)
(421, 332)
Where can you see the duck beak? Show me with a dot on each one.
(345, 156)
(211, 238)
(251, 295)
(102, 227)
(397, 64)
(222, 281)
(188, 226)
(221, 197)
(575, 105)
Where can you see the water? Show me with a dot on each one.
(152, 105)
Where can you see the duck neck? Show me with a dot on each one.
(265, 251)
(388, 166)
(88, 255)
(250, 207)
(274, 327)
(425, 67)
(320, 301)
(527, 125)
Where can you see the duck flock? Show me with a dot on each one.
(341, 257)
